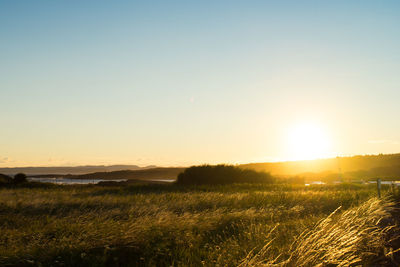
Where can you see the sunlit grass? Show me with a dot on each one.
(355, 237)
(160, 225)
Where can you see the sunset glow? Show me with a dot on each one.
(184, 83)
(199, 133)
(308, 141)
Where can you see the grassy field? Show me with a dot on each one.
(161, 225)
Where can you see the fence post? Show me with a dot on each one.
(378, 183)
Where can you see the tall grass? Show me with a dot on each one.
(354, 237)
(159, 225)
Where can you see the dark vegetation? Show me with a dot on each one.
(221, 174)
(19, 178)
(5, 179)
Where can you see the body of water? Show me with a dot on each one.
(163, 180)
(71, 181)
(386, 182)
(359, 182)
(55, 180)
(96, 181)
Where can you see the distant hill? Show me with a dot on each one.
(143, 174)
(70, 170)
(356, 167)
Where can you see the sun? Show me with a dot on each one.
(307, 141)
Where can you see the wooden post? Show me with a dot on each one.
(378, 183)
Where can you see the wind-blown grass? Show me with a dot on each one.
(159, 225)
(352, 238)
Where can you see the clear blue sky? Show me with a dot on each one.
(178, 83)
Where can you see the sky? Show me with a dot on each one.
(176, 83)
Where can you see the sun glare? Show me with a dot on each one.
(307, 141)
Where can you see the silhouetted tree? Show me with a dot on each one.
(20, 178)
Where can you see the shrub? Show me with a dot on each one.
(20, 178)
(222, 174)
(5, 179)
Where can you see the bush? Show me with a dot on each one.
(20, 178)
(221, 174)
(5, 179)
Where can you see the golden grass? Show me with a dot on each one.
(354, 237)
(160, 225)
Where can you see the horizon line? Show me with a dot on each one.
(181, 166)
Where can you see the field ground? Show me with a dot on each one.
(161, 225)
